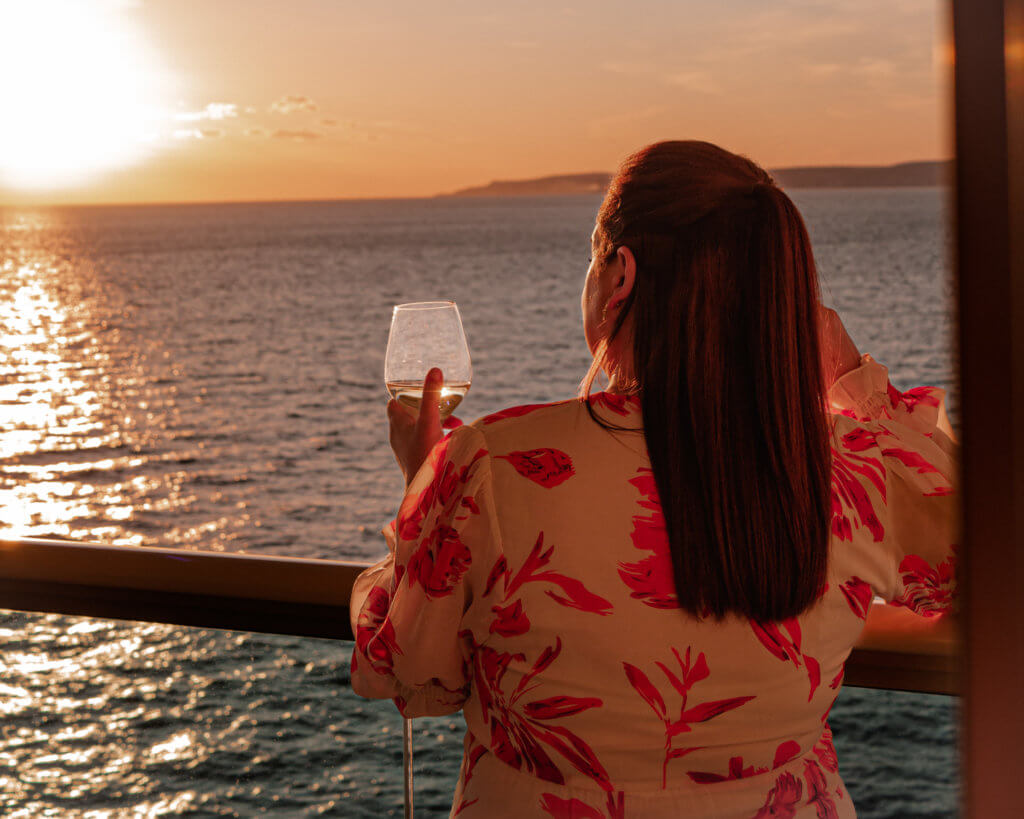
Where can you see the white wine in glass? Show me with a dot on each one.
(410, 393)
(423, 335)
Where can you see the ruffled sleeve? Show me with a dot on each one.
(893, 476)
(407, 610)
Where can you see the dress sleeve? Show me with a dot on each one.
(407, 610)
(893, 476)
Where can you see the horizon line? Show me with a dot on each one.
(439, 195)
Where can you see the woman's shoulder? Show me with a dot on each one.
(609, 407)
(525, 413)
(532, 427)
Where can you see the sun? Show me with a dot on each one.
(81, 92)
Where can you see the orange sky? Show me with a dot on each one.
(195, 100)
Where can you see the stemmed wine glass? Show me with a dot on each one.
(425, 334)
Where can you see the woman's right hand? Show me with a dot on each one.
(839, 354)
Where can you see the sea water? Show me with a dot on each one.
(211, 377)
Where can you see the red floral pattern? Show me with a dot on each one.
(926, 396)
(691, 673)
(850, 495)
(912, 460)
(473, 753)
(375, 635)
(547, 467)
(826, 751)
(514, 412)
(927, 589)
(736, 771)
(571, 592)
(650, 578)
(858, 596)
(615, 403)
(440, 562)
(441, 496)
(510, 621)
(883, 440)
(522, 734)
(817, 791)
(786, 647)
(783, 799)
(470, 613)
(783, 754)
(613, 808)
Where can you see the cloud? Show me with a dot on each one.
(292, 104)
(694, 81)
(297, 136)
(823, 69)
(866, 67)
(214, 110)
(614, 122)
(329, 122)
(198, 133)
(255, 132)
(629, 69)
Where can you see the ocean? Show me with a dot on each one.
(211, 377)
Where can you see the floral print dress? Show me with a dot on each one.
(529, 585)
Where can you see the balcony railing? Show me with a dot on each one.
(309, 598)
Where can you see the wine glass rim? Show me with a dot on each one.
(425, 305)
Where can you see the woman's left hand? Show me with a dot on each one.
(413, 435)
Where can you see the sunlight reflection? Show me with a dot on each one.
(85, 408)
(71, 689)
(174, 748)
(55, 405)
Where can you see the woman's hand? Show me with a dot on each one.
(413, 435)
(839, 354)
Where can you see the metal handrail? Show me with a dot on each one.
(309, 598)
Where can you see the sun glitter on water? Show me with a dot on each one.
(82, 91)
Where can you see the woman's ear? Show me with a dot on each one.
(624, 275)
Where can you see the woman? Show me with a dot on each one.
(642, 600)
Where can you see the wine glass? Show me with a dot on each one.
(426, 334)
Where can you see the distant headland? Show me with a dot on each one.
(903, 175)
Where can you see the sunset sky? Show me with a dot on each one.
(200, 100)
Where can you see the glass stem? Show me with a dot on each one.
(407, 764)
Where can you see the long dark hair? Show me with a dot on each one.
(726, 361)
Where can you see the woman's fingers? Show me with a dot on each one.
(839, 354)
(430, 412)
(413, 434)
(400, 416)
(401, 422)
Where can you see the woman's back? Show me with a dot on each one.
(539, 576)
(655, 624)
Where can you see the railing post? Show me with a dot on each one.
(989, 105)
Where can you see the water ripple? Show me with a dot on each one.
(210, 377)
